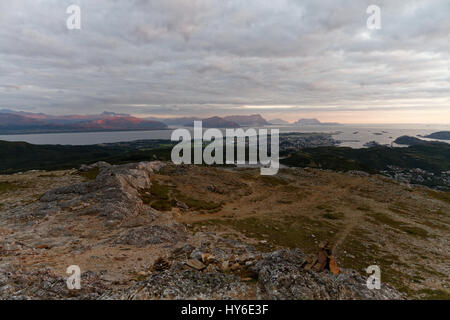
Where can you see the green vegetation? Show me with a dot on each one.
(21, 156)
(399, 208)
(430, 294)
(198, 204)
(441, 135)
(290, 189)
(432, 156)
(333, 215)
(7, 186)
(442, 196)
(162, 205)
(159, 191)
(292, 231)
(360, 249)
(48, 175)
(273, 181)
(90, 174)
(158, 197)
(282, 201)
(411, 230)
(330, 213)
(164, 198)
(363, 252)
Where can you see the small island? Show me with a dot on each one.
(440, 135)
(409, 141)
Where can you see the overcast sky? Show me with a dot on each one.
(281, 58)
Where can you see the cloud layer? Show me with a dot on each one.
(281, 58)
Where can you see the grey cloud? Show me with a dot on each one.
(214, 56)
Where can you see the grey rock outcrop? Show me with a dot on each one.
(154, 234)
(190, 284)
(280, 277)
(113, 194)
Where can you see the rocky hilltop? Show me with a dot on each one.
(152, 230)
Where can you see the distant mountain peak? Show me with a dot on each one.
(308, 121)
(278, 121)
(248, 120)
(216, 122)
(23, 122)
(313, 122)
(110, 113)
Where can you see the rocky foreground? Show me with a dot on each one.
(158, 231)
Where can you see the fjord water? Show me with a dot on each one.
(354, 136)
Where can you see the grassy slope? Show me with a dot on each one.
(434, 157)
(21, 156)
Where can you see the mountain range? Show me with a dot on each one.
(278, 121)
(233, 121)
(13, 122)
(21, 122)
(17, 122)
